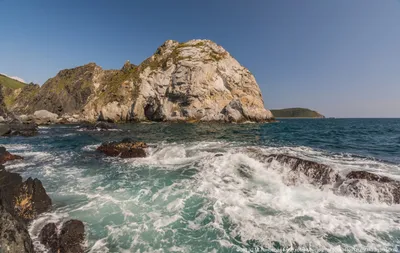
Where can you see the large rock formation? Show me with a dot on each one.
(197, 80)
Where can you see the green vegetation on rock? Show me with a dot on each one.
(296, 113)
(10, 83)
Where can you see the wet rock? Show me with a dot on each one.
(315, 173)
(25, 200)
(71, 237)
(49, 237)
(126, 148)
(14, 236)
(5, 156)
(17, 127)
(98, 126)
(370, 187)
(358, 184)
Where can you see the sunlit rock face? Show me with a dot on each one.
(193, 81)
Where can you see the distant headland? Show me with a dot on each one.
(296, 113)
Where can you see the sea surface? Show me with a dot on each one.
(188, 196)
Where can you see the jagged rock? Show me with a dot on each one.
(71, 237)
(5, 156)
(193, 81)
(49, 237)
(126, 148)
(14, 236)
(25, 200)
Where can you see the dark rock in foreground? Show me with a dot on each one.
(5, 156)
(14, 236)
(71, 237)
(25, 200)
(126, 148)
(49, 237)
(359, 184)
(69, 240)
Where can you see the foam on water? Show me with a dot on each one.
(185, 198)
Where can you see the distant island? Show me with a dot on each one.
(296, 113)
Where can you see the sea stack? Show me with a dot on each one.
(193, 81)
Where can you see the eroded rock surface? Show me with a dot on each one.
(14, 236)
(193, 81)
(126, 148)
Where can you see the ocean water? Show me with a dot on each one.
(188, 196)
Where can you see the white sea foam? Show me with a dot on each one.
(130, 201)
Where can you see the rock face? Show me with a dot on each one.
(20, 202)
(193, 81)
(14, 236)
(3, 108)
(25, 200)
(126, 148)
(359, 184)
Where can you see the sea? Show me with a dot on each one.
(188, 195)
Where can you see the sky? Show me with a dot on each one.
(339, 57)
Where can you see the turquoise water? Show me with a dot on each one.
(184, 198)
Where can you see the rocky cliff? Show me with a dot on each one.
(197, 80)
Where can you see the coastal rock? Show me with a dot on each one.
(45, 117)
(98, 126)
(49, 237)
(359, 184)
(371, 187)
(126, 148)
(16, 127)
(5, 156)
(71, 237)
(25, 200)
(193, 81)
(14, 236)
(298, 170)
(69, 240)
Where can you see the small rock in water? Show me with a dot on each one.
(69, 240)
(72, 236)
(126, 148)
(5, 156)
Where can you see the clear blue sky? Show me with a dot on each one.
(340, 57)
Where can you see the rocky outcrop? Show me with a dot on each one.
(193, 81)
(16, 127)
(126, 148)
(6, 156)
(69, 240)
(25, 200)
(99, 126)
(359, 184)
(14, 236)
(45, 117)
(20, 202)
